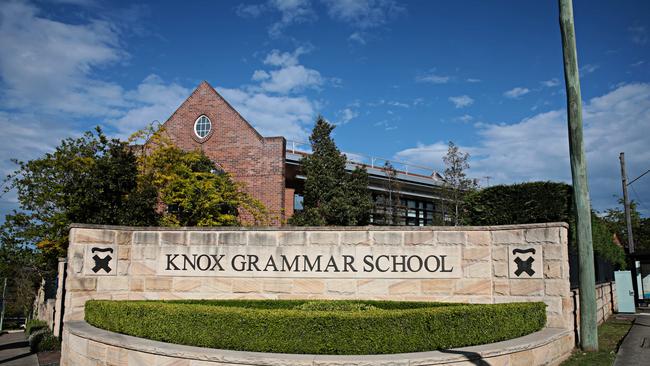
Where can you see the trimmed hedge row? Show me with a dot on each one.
(285, 327)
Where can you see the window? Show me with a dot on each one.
(202, 126)
(297, 202)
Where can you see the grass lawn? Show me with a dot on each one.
(610, 335)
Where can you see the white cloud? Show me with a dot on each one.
(639, 34)
(273, 115)
(290, 77)
(364, 14)
(357, 37)
(551, 82)
(398, 104)
(432, 78)
(465, 118)
(291, 12)
(536, 148)
(473, 80)
(346, 115)
(462, 101)
(516, 92)
(284, 59)
(588, 69)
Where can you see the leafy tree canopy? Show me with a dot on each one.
(457, 184)
(332, 196)
(91, 179)
(194, 191)
(615, 220)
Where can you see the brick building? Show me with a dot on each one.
(269, 166)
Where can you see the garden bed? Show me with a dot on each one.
(318, 327)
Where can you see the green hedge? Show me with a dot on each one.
(33, 325)
(286, 327)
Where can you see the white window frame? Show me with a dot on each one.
(196, 132)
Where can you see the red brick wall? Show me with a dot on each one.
(288, 202)
(234, 145)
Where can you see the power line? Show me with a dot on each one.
(639, 177)
(637, 197)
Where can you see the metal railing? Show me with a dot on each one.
(368, 161)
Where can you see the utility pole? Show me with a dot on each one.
(2, 314)
(588, 323)
(628, 222)
(626, 202)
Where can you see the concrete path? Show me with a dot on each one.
(635, 349)
(14, 350)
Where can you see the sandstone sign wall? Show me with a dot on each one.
(465, 264)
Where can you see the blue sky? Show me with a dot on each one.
(399, 78)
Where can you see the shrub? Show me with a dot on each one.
(281, 326)
(33, 326)
(43, 340)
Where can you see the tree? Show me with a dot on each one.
(193, 191)
(615, 220)
(457, 185)
(390, 207)
(332, 196)
(91, 179)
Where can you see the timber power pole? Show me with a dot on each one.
(626, 203)
(588, 324)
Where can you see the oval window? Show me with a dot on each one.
(202, 126)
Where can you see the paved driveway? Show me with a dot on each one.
(14, 350)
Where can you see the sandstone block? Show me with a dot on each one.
(123, 238)
(553, 252)
(548, 235)
(500, 253)
(232, 238)
(136, 358)
(277, 286)
(96, 351)
(372, 287)
(116, 356)
(348, 287)
(292, 238)
(476, 253)
(169, 361)
(473, 287)
(113, 283)
(500, 269)
(93, 236)
(508, 237)
(501, 287)
(172, 238)
(437, 286)
(136, 284)
(204, 238)
(262, 238)
(479, 269)
(419, 238)
(123, 252)
(83, 284)
(324, 238)
(242, 285)
(145, 238)
(143, 267)
(451, 237)
(186, 284)
(386, 237)
(478, 238)
(527, 287)
(405, 287)
(215, 284)
(157, 284)
(552, 269)
(557, 288)
(355, 238)
(308, 286)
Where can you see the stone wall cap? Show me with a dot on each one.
(323, 228)
(531, 341)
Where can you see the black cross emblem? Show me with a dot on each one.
(524, 265)
(102, 263)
